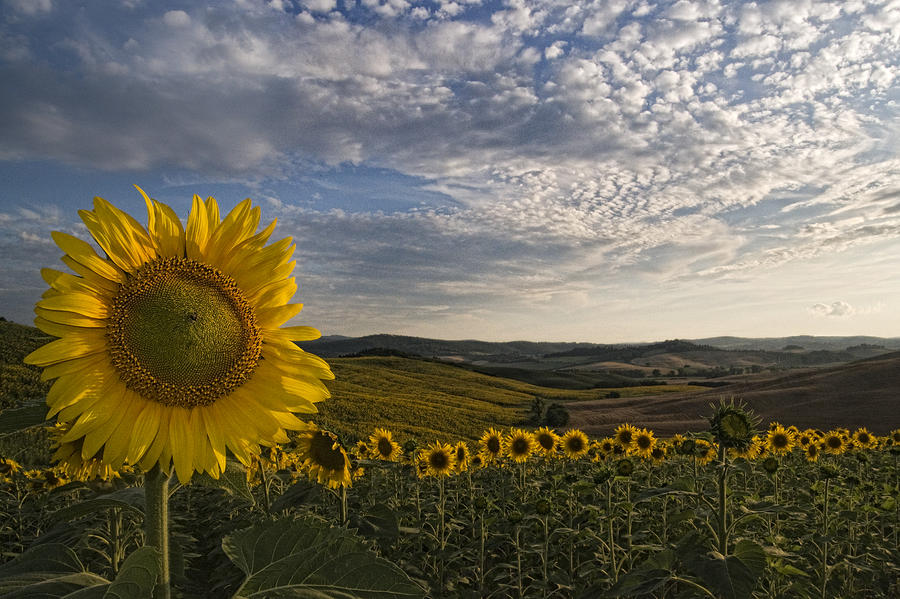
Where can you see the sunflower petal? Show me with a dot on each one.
(271, 318)
(79, 303)
(214, 433)
(68, 348)
(144, 431)
(84, 254)
(182, 446)
(164, 227)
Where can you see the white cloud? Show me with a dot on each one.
(177, 18)
(836, 309)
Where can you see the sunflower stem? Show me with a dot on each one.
(156, 526)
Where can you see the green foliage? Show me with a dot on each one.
(309, 558)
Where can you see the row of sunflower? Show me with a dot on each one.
(321, 455)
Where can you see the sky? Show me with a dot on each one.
(603, 171)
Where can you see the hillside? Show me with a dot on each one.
(862, 393)
(413, 397)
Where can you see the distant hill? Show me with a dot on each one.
(808, 342)
(861, 393)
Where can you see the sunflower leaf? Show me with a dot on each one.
(308, 558)
(48, 570)
(137, 577)
(29, 414)
(129, 499)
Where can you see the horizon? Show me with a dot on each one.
(498, 169)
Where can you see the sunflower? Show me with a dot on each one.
(476, 461)
(606, 446)
(439, 459)
(519, 445)
(9, 466)
(863, 439)
(624, 435)
(383, 446)
(833, 442)
(812, 452)
(643, 443)
(705, 451)
(895, 436)
(169, 347)
(547, 441)
(780, 440)
(323, 457)
(361, 450)
(491, 444)
(461, 463)
(574, 444)
(658, 454)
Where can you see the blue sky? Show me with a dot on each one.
(616, 170)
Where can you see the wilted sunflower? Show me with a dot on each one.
(780, 440)
(383, 446)
(643, 443)
(9, 466)
(574, 444)
(324, 457)
(439, 459)
(169, 347)
(461, 463)
(518, 445)
(491, 444)
(624, 435)
(547, 441)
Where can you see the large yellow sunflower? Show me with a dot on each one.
(439, 459)
(518, 445)
(170, 348)
(547, 441)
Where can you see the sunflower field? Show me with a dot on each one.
(520, 513)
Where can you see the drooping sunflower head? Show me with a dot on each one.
(461, 461)
(491, 444)
(574, 444)
(624, 467)
(770, 464)
(383, 446)
(780, 440)
(547, 440)
(439, 459)
(324, 458)
(732, 426)
(812, 452)
(643, 443)
(624, 435)
(658, 454)
(518, 445)
(171, 349)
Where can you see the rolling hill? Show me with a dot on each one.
(861, 393)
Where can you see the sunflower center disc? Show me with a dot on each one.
(181, 333)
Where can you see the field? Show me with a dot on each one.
(460, 498)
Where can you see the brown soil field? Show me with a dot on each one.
(863, 393)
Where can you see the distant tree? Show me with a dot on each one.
(556, 416)
(656, 372)
(537, 411)
(613, 395)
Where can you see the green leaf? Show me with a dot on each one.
(48, 571)
(129, 499)
(733, 576)
(29, 414)
(233, 480)
(309, 558)
(379, 522)
(137, 577)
